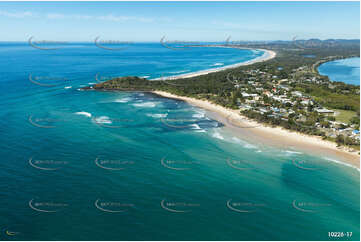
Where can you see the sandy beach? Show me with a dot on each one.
(273, 136)
(268, 54)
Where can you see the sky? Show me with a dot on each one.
(178, 21)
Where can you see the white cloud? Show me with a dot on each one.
(111, 17)
(63, 16)
(83, 17)
(108, 17)
(17, 14)
(55, 16)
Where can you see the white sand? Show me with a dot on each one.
(275, 135)
(269, 54)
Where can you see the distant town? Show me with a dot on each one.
(271, 98)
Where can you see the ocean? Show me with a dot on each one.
(345, 70)
(92, 165)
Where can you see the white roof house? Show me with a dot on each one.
(324, 111)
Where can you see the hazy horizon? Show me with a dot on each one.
(202, 21)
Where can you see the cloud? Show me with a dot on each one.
(55, 16)
(107, 17)
(63, 16)
(111, 17)
(17, 14)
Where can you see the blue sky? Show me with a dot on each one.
(197, 21)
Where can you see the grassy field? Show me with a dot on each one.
(344, 115)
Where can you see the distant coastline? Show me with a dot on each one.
(268, 55)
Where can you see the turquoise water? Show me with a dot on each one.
(87, 165)
(345, 70)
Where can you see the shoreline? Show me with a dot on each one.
(268, 55)
(274, 136)
(319, 64)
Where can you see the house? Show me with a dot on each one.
(297, 93)
(306, 102)
(325, 111)
(263, 110)
(244, 94)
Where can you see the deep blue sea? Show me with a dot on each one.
(89, 165)
(345, 70)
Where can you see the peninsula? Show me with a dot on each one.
(281, 98)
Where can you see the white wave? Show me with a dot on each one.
(145, 104)
(92, 83)
(86, 114)
(249, 146)
(291, 152)
(195, 126)
(177, 72)
(103, 120)
(67, 87)
(341, 163)
(141, 94)
(198, 115)
(122, 100)
(259, 151)
(243, 143)
(200, 131)
(144, 76)
(217, 135)
(218, 64)
(236, 139)
(157, 115)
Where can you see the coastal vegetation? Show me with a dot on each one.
(285, 91)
